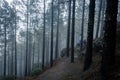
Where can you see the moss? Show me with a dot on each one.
(98, 44)
(8, 78)
(36, 71)
(63, 52)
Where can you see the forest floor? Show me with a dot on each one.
(65, 70)
(62, 70)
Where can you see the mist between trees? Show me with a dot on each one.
(33, 33)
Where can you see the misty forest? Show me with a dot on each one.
(59, 39)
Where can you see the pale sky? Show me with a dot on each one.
(12, 0)
(9, 1)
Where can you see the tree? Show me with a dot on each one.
(68, 28)
(26, 59)
(88, 55)
(51, 53)
(15, 33)
(33, 52)
(109, 39)
(73, 32)
(6, 24)
(57, 35)
(43, 53)
(5, 47)
(82, 25)
(99, 16)
(102, 17)
(7, 27)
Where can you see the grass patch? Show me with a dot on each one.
(36, 71)
(8, 78)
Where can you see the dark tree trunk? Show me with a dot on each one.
(68, 28)
(5, 45)
(82, 25)
(47, 50)
(57, 35)
(21, 61)
(33, 52)
(109, 39)
(39, 51)
(43, 53)
(12, 53)
(15, 46)
(73, 32)
(29, 51)
(26, 56)
(8, 59)
(88, 55)
(51, 53)
(38, 45)
(99, 15)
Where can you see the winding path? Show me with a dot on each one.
(63, 70)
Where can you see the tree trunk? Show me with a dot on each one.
(108, 56)
(51, 53)
(68, 29)
(88, 55)
(33, 52)
(102, 17)
(21, 61)
(8, 59)
(43, 53)
(15, 46)
(12, 53)
(99, 15)
(5, 44)
(57, 35)
(73, 32)
(26, 62)
(82, 25)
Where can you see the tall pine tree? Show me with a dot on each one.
(88, 55)
(109, 39)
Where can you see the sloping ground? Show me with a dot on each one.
(94, 72)
(63, 69)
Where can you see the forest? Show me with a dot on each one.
(59, 39)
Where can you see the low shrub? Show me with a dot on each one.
(63, 52)
(36, 71)
(98, 44)
(81, 54)
(8, 78)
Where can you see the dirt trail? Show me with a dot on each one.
(63, 70)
